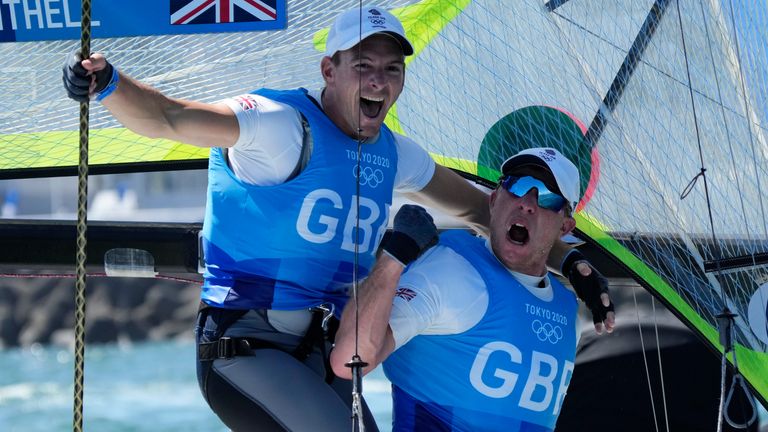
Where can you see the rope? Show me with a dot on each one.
(645, 360)
(737, 381)
(661, 369)
(725, 321)
(82, 224)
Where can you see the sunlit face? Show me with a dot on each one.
(362, 87)
(522, 233)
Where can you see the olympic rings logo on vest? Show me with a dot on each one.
(547, 331)
(369, 176)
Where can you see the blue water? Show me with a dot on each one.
(128, 388)
(131, 388)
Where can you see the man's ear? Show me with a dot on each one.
(569, 224)
(492, 198)
(327, 69)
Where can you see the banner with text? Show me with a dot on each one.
(35, 20)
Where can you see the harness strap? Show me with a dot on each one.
(322, 327)
(314, 336)
(227, 347)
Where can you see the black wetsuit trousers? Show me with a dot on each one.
(271, 390)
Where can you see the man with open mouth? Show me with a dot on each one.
(475, 335)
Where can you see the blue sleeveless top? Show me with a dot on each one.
(507, 373)
(292, 246)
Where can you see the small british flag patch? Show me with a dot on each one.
(406, 294)
(247, 102)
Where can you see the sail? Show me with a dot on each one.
(672, 97)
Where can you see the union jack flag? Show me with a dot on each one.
(247, 102)
(406, 294)
(222, 11)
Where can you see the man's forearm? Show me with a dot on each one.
(453, 195)
(146, 111)
(139, 107)
(366, 319)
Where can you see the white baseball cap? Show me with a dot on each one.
(354, 25)
(563, 171)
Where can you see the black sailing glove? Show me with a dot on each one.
(414, 232)
(77, 80)
(588, 288)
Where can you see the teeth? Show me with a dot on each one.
(373, 99)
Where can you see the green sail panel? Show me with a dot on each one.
(106, 147)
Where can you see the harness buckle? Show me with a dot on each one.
(225, 348)
(328, 310)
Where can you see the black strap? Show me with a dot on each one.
(223, 317)
(316, 336)
(227, 347)
(313, 337)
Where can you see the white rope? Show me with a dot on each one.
(645, 360)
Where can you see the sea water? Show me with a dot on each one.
(128, 388)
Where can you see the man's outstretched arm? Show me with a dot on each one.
(144, 109)
(372, 307)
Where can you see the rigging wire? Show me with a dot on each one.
(726, 315)
(645, 362)
(722, 108)
(661, 369)
(725, 318)
(82, 226)
(356, 363)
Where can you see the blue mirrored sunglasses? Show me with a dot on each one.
(519, 186)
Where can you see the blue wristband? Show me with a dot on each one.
(110, 87)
